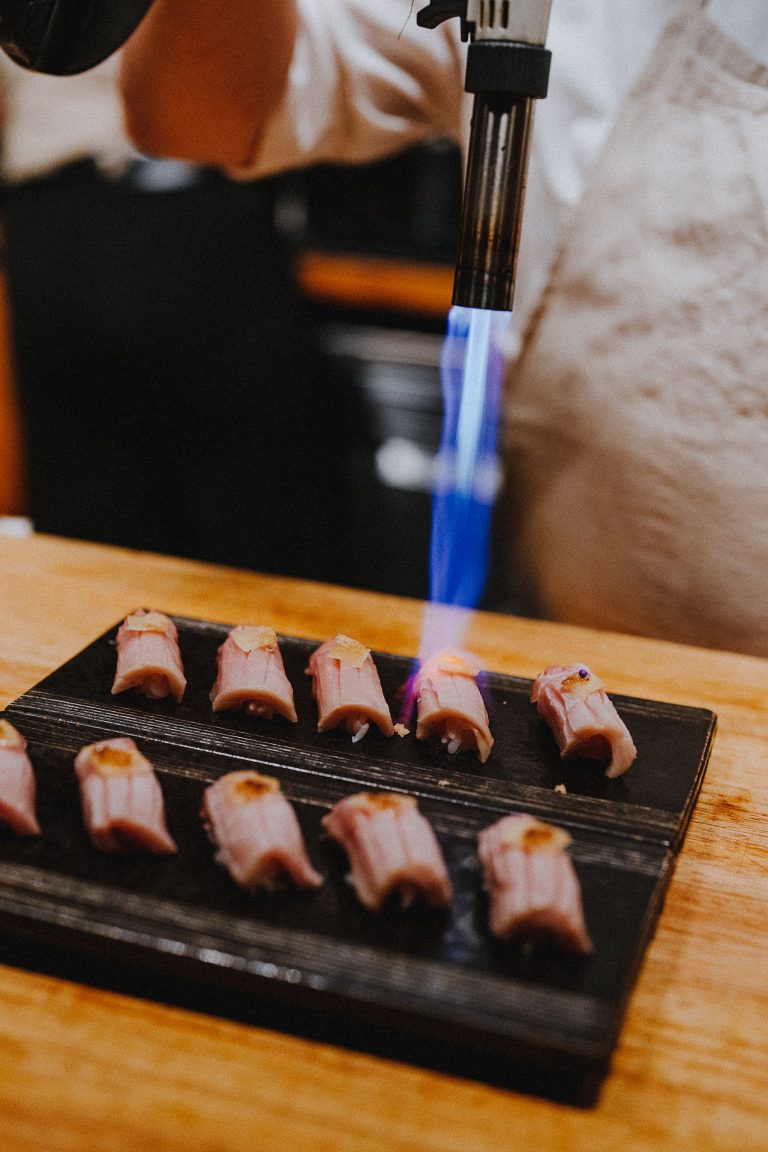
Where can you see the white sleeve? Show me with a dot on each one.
(746, 22)
(598, 51)
(365, 81)
(50, 121)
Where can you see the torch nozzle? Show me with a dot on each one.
(507, 69)
(492, 209)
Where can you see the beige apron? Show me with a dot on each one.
(639, 409)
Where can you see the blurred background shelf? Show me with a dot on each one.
(377, 284)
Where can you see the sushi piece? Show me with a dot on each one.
(148, 657)
(347, 688)
(584, 722)
(449, 705)
(391, 848)
(122, 802)
(251, 675)
(256, 832)
(17, 783)
(533, 889)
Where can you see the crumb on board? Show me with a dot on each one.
(561, 788)
(401, 730)
(443, 783)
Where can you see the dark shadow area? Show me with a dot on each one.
(179, 393)
(173, 392)
(536, 1074)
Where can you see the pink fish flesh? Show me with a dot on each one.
(449, 705)
(347, 688)
(251, 675)
(148, 657)
(584, 722)
(121, 798)
(17, 783)
(256, 832)
(533, 889)
(391, 849)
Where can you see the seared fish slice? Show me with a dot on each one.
(533, 889)
(256, 832)
(584, 722)
(391, 848)
(449, 705)
(251, 676)
(121, 798)
(148, 657)
(17, 783)
(347, 688)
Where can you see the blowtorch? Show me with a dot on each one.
(507, 69)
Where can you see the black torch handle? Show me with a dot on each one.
(62, 37)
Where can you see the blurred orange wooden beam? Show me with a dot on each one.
(12, 501)
(375, 283)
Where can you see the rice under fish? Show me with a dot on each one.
(532, 886)
(574, 703)
(449, 705)
(17, 783)
(122, 801)
(346, 686)
(251, 676)
(256, 832)
(148, 657)
(392, 850)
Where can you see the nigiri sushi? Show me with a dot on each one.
(121, 798)
(392, 849)
(533, 890)
(256, 832)
(148, 657)
(17, 783)
(346, 686)
(251, 676)
(573, 702)
(449, 705)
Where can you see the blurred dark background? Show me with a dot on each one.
(246, 373)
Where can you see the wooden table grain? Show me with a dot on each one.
(86, 1069)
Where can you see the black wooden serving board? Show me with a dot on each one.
(438, 979)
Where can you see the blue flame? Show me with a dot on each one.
(466, 482)
(467, 472)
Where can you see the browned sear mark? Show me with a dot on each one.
(384, 801)
(112, 759)
(252, 786)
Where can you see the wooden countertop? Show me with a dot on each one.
(82, 1068)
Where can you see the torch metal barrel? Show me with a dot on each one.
(507, 69)
(492, 209)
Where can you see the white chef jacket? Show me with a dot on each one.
(366, 80)
(50, 121)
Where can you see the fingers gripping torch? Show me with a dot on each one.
(507, 69)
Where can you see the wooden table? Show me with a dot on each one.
(85, 1069)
